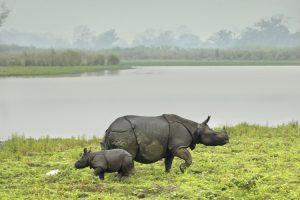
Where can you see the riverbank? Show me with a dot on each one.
(126, 64)
(211, 62)
(54, 70)
(259, 163)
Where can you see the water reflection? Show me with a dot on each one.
(109, 72)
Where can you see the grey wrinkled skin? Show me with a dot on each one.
(116, 160)
(149, 139)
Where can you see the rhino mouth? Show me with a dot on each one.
(78, 165)
(224, 141)
(214, 140)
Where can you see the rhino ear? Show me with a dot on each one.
(85, 151)
(90, 150)
(205, 121)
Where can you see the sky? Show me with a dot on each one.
(131, 17)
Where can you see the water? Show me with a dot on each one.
(87, 104)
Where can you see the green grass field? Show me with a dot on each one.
(54, 71)
(258, 163)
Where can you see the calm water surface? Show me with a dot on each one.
(72, 106)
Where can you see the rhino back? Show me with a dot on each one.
(99, 160)
(152, 135)
(120, 125)
(182, 132)
(115, 158)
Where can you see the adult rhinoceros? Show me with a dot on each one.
(149, 139)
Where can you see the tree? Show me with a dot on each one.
(153, 38)
(146, 39)
(268, 33)
(105, 40)
(3, 13)
(82, 37)
(222, 39)
(113, 60)
(187, 40)
(165, 39)
(98, 59)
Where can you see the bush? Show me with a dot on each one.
(98, 59)
(113, 60)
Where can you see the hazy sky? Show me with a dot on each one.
(131, 17)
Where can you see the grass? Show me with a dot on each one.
(125, 64)
(209, 62)
(258, 163)
(53, 70)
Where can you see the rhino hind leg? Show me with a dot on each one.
(184, 154)
(126, 167)
(168, 162)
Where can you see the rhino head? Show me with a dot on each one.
(84, 161)
(209, 137)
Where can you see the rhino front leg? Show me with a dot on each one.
(168, 162)
(99, 172)
(186, 156)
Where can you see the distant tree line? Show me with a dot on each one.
(266, 33)
(51, 57)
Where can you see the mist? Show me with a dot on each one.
(109, 24)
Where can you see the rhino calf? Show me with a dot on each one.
(115, 160)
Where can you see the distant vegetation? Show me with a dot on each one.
(258, 163)
(269, 42)
(29, 56)
(271, 32)
(14, 56)
(159, 53)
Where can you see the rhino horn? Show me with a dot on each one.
(205, 121)
(85, 150)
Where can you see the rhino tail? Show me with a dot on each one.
(104, 143)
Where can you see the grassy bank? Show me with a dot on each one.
(259, 163)
(77, 70)
(54, 71)
(210, 62)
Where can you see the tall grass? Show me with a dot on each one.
(18, 145)
(52, 57)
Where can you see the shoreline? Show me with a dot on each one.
(44, 71)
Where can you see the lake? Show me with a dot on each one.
(87, 104)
